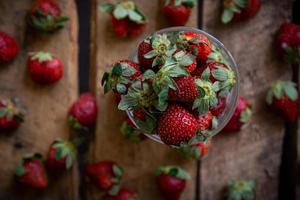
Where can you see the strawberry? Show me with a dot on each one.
(282, 97)
(45, 16)
(186, 90)
(106, 175)
(143, 49)
(239, 10)
(241, 115)
(197, 147)
(9, 48)
(126, 18)
(31, 172)
(177, 12)
(219, 108)
(83, 112)
(11, 114)
(241, 190)
(122, 73)
(288, 42)
(44, 68)
(204, 121)
(123, 194)
(61, 155)
(129, 131)
(176, 125)
(171, 181)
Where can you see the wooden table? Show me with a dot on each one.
(254, 153)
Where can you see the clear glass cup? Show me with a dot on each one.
(231, 100)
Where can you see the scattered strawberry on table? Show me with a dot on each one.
(180, 85)
(241, 190)
(31, 172)
(44, 68)
(45, 16)
(239, 10)
(61, 155)
(83, 112)
(171, 181)
(126, 18)
(123, 194)
(283, 99)
(11, 114)
(106, 175)
(288, 42)
(177, 12)
(240, 117)
(9, 48)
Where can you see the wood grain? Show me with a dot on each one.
(255, 152)
(138, 160)
(47, 106)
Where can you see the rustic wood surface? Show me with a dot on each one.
(138, 160)
(255, 152)
(47, 106)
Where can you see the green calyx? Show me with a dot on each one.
(47, 23)
(191, 150)
(118, 172)
(280, 89)
(183, 59)
(42, 56)
(173, 171)
(241, 190)
(225, 79)
(207, 95)
(118, 78)
(74, 123)
(231, 7)
(292, 55)
(125, 9)
(65, 149)
(246, 115)
(187, 3)
(12, 108)
(20, 169)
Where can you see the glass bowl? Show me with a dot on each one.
(232, 97)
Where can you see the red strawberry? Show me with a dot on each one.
(11, 114)
(288, 42)
(176, 125)
(282, 97)
(196, 148)
(200, 45)
(45, 15)
(31, 172)
(171, 181)
(9, 48)
(143, 49)
(106, 175)
(219, 108)
(186, 91)
(204, 121)
(126, 18)
(241, 115)
(177, 12)
(121, 74)
(83, 113)
(44, 68)
(61, 155)
(240, 10)
(123, 194)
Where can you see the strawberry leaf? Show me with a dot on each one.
(107, 7)
(69, 162)
(227, 16)
(246, 115)
(133, 16)
(3, 112)
(149, 74)
(117, 171)
(291, 91)
(119, 12)
(114, 190)
(20, 170)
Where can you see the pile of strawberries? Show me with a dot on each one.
(177, 90)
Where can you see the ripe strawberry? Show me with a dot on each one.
(241, 190)
(9, 48)
(61, 155)
(11, 114)
(219, 108)
(122, 73)
(240, 117)
(45, 16)
(177, 12)
(197, 147)
(171, 181)
(106, 175)
(126, 18)
(44, 68)
(186, 90)
(288, 42)
(31, 172)
(282, 97)
(204, 121)
(239, 10)
(83, 113)
(176, 125)
(123, 194)
(143, 49)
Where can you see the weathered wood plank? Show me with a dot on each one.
(254, 153)
(47, 106)
(138, 160)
